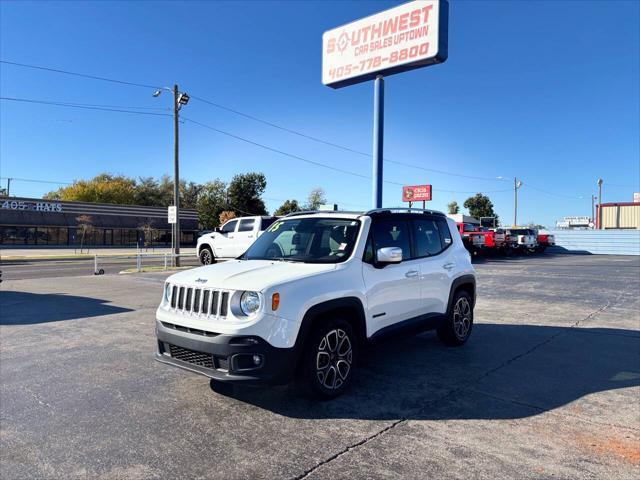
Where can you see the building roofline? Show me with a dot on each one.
(620, 204)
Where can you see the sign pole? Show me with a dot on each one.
(378, 140)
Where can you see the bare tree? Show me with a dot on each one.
(85, 224)
(150, 232)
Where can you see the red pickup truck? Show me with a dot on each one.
(472, 239)
(545, 240)
(495, 241)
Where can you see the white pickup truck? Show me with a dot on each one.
(231, 239)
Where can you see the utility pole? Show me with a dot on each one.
(179, 99)
(516, 185)
(599, 204)
(378, 140)
(593, 208)
(176, 175)
(8, 186)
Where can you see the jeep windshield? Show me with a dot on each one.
(308, 240)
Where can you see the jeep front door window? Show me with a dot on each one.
(392, 290)
(309, 240)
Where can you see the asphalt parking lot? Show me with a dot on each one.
(547, 387)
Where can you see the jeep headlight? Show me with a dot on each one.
(166, 293)
(249, 303)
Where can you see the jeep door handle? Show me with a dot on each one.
(448, 266)
(411, 273)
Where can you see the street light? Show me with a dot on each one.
(599, 204)
(179, 99)
(516, 185)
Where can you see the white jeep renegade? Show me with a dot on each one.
(311, 291)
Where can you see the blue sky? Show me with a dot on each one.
(546, 91)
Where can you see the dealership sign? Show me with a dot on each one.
(416, 193)
(409, 36)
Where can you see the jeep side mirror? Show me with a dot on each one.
(388, 255)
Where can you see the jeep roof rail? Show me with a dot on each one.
(377, 211)
(311, 212)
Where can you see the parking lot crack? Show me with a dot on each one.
(308, 472)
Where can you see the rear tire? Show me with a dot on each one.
(457, 327)
(206, 256)
(329, 359)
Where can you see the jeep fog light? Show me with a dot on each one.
(249, 303)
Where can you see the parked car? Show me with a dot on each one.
(522, 240)
(303, 300)
(232, 239)
(545, 240)
(495, 241)
(472, 238)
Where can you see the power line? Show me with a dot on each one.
(275, 150)
(257, 119)
(306, 160)
(607, 184)
(83, 75)
(336, 145)
(560, 195)
(84, 106)
(254, 118)
(32, 180)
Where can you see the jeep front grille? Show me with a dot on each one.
(199, 301)
(191, 356)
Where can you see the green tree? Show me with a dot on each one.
(211, 202)
(103, 188)
(147, 192)
(165, 191)
(189, 193)
(315, 199)
(453, 208)
(244, 194)
(289, 206)
(480, 206)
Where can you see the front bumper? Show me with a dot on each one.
(226, 358)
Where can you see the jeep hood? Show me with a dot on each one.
(253, 275)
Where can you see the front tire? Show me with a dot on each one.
(459, 323)
(206, 256)
(329, 359)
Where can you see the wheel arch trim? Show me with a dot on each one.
(462, 281)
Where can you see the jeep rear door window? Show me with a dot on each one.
(246, 225)
(309, 240)
(445, 233)
(426, 237)
(392, 233)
